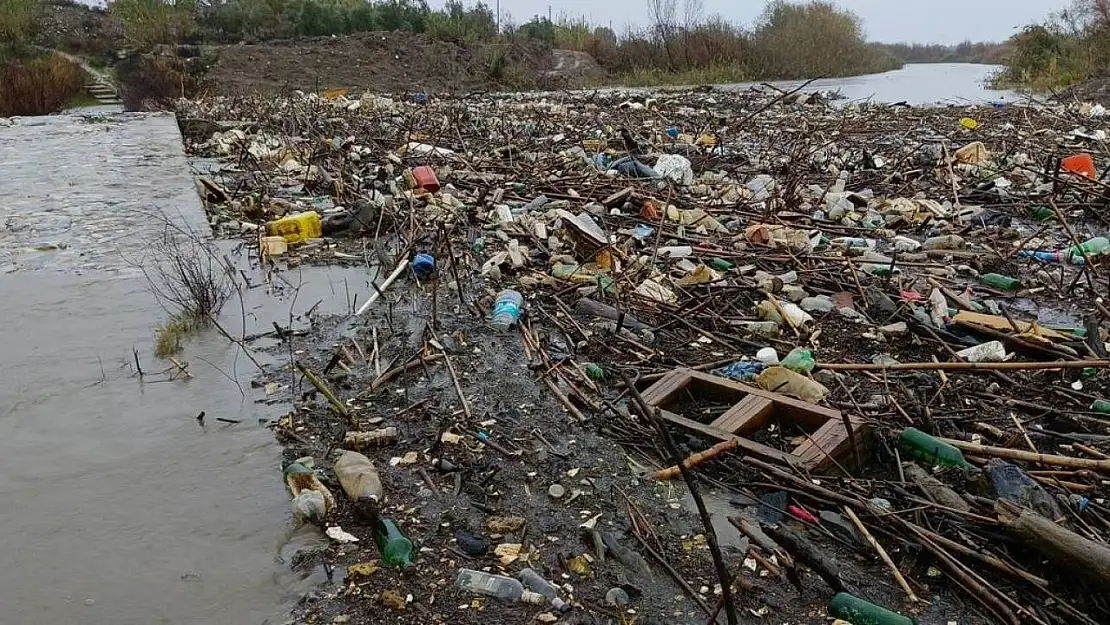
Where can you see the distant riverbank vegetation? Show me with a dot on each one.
(680, 43)
(1072, 46)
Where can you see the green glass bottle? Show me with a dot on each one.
(860, 612)
(999, 281)
(395, 547)
(929, 449)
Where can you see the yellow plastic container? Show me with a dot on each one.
(297, 228)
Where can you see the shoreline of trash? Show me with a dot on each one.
(875, 332)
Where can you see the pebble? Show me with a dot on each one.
(556, 491)
(616, 597)
(895, 329)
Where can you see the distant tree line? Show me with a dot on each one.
(789, 40)
(984, 52)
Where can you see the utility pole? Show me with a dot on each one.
(498, 17)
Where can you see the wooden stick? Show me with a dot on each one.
(458, 387)
(882, 555)
(1028, 456)
(981, 557)
(694, 460)
(322, 386)
(965, 366)
(396, 371)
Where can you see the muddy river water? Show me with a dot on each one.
(117, 506)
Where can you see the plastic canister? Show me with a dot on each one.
(425, 178)
(1081, 164)
(297, 228)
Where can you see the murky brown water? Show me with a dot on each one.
(118, 507)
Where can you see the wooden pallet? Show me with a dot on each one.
(754, 408)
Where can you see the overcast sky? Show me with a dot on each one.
(925, 21)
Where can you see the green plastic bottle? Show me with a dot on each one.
(999, 281)
(1093, 247)
(927, 448)
(860, 612)
(1101, 405)
(395, 547)
(1041, 213)
(720, 264)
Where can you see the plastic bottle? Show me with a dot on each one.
(946, 242)
(860, 612)
(853, 243)
(1101, 405)
(395, 547)
(506, 310)
(423, 266)
(536, 582)
(999, 281)
(297, 228)
(929, 449)
(1093, 247)
(1041, 213)
(799, 360)
(358, 477)
(499, 586)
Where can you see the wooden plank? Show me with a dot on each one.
(832, 438)
(752, 447)
(660, 393)
(787, 407)
(747, 416)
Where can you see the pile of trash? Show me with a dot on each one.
(876, 333)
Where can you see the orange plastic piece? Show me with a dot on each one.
(1081, 164)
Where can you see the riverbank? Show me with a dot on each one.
(879, 235)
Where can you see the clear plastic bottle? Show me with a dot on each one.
(506, 310)
(499, 586)
(358, 477)
(536, 582)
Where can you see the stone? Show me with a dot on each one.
(894, 329)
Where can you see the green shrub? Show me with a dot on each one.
(148, 22)
(18, 20)
(39, 86)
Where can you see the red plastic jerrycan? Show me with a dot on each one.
(425, 178)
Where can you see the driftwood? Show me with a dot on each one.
(934, 489)
(1029, 456)
(803, 551)
(1069, 550)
